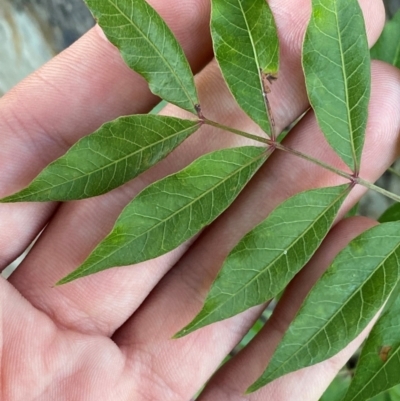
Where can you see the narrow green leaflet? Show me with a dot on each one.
(149, 47)
(247, 49)
(337, 388)
(341, 304)
(379, 365)
(387, 48)
(336, 64)
(340, 385)
(394, 394)
(116, 153)
(353, 211)
(174, 209)
(391, 214)
(269, 256)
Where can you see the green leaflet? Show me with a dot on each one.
(337, 389)
(149, 47)
(269, 256)
(341, 304)
(387, 48)
(353, 211)
(337, 68)
(119, 151)
(174, 209)
(379, 365)
(339, 386)
(391, 214)
(394, 394)
(246, 47)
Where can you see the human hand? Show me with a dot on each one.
(108, 336)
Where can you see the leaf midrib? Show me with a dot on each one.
(281, 255)
(259, 69)
(356, 167)
(339, 310)
(175, 213)
(141, 150)
(157, 51)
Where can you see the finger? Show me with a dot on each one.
(40, 361)
(103, 302)
(69, 97)
(180, 296)
(231, 382)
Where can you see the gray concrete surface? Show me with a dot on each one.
(33, 31)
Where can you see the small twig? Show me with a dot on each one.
(315, 161)
(237, 132)
(275, 145)
(375, 188)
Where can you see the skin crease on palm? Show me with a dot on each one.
(108, 336)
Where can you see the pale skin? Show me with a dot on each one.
(108, 336)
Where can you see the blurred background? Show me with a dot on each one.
(33, 31)
(392, 6)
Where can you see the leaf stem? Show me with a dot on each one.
(380, 190)
(315, 161)
(276, 145)
(237, 132)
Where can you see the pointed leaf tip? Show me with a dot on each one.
(148, 47)
(115, 154)
(174, 209)
(293, 232)
(361, 278)
(66, 280)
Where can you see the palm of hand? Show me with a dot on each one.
(108, 336)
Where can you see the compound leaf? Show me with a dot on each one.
(336, 63)
(379, 364)
(174, 209)
(269, 256)
(341, 304)
(247, 49)
(149, 47)
(387, 48)
(118, 152)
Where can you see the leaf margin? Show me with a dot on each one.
(330, 273)
(145, 10)
(260, 154)
(140, 122)
(341, 193)
(313, 30)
